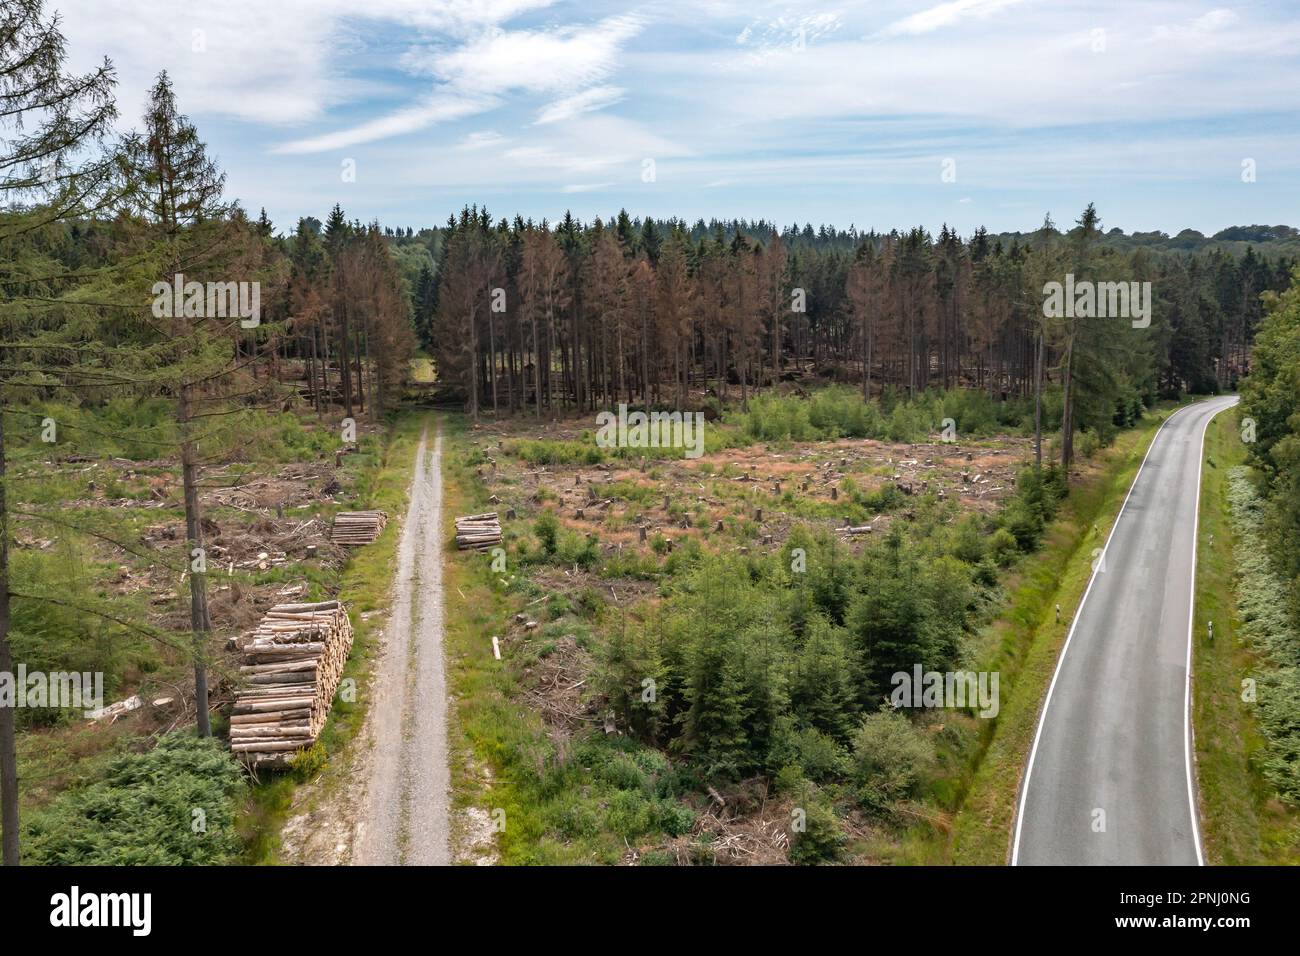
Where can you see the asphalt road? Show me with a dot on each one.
(1109, 779)
(405, 818)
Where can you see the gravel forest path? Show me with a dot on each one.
(405, 819)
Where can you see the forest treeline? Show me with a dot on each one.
(525, 316)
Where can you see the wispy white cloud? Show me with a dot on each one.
(481, 139)
(437, 109)
(265, 62)
(788, 31)
(1154, 69)
(558, 60)
(590, 149)
(596, 98)
(455, 17)
(1217, 29)
(947, 14)
(476, 76)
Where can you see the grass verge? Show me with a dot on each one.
(1243, 822)
(488, 732)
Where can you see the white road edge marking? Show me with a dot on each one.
(1191, 622)
(1042, 716)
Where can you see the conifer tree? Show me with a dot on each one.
(53, 125)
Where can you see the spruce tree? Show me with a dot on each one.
(53, 168)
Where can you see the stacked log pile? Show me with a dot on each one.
(357, 527)
(478, 532)
(290, 667)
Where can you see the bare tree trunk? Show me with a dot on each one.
(911, 348)
(492, 357)
(360, 373)
(776, 344)
(473, 367)
(537, 371)
(645, 358)
(1038, 401)
(1067, 412)
(323, 332)
(575, 360)
(311, 374)
(376, 386)
(506, 364)
(741, 367)
(345, 363)
(550, 354)
(683, 363)
(8, 715)
(866, 361)
(200, 622)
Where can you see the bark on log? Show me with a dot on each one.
(291, 666)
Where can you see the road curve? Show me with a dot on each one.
(405, 818)
(1110, 778)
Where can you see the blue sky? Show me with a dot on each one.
(881, 114)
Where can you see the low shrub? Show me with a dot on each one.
(172, 805)
(890, 759)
